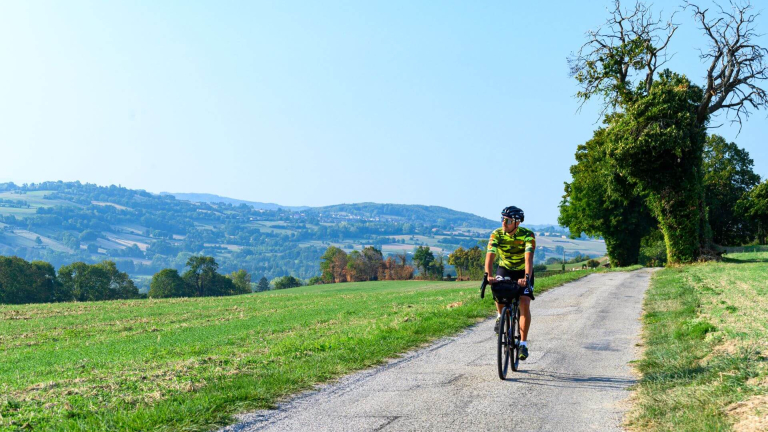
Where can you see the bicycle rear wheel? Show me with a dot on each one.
(503, 347)
(514, 336)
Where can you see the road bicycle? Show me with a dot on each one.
(507, 293)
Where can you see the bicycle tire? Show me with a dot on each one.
(503, 347)
(515, 339)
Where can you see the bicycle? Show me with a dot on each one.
(508, 294)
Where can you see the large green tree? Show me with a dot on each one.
(263, 284)
(459, 259)
(356, 266)
(84, 282)
(223, 286)
(286, 282)
(333, 265)
(25, 282)
(657, 135)
(242, 281)
(601, 202)
(120, 284)
(167, 283)
(45, 279)
(102, 281)
(373, 262)
(658, 145)
(201, 275)
(728, 177)
(423, 259)
(364, 265)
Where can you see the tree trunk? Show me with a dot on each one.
(623, 250)
(626, 232)
(679, 214)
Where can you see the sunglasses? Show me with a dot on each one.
(505, 219)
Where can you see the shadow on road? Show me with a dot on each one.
(566, 380)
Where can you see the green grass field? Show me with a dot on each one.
(705, 366)
(190, 364)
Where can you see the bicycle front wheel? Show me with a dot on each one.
(503, 347)
(514, 338)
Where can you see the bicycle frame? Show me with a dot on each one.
(509, 330)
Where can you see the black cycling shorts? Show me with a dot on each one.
(514, 275)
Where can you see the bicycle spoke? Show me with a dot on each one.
(503, 353)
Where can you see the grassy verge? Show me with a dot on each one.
(189, 364)
(705, 365)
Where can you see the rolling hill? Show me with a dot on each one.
(439, 216)
(213, 199)
(143, 232)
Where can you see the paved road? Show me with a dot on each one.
(583, 335)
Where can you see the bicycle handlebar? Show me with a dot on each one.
(485, 284)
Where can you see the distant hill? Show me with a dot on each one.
(432, 215)
(211, 198)
(64, 222)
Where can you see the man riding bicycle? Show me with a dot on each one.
(514, 246)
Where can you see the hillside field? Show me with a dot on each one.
(191, 363)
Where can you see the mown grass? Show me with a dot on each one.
(705, 366)
(190, 364)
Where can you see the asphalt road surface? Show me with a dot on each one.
(583, 336)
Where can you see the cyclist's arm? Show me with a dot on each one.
(529, 263)
(530, 249)
(490, 257)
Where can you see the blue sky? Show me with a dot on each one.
(466, 105)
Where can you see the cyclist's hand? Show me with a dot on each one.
(521, 282)
(491, 279)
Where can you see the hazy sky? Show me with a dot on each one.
(466, 105)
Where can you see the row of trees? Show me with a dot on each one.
(653, 166)
(337, 266)
(37, 282)
(429, 266)
(200, 280)
(469, 263)
(366, 265)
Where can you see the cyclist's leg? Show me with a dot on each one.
(525, 317)
(514, 275)
(525, 312)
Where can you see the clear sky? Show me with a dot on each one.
(466, 105)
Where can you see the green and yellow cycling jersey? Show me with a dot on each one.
(511, 249)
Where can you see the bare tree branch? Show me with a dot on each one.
(630, 41)
(737, 66)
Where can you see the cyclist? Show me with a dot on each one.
(515, 246)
